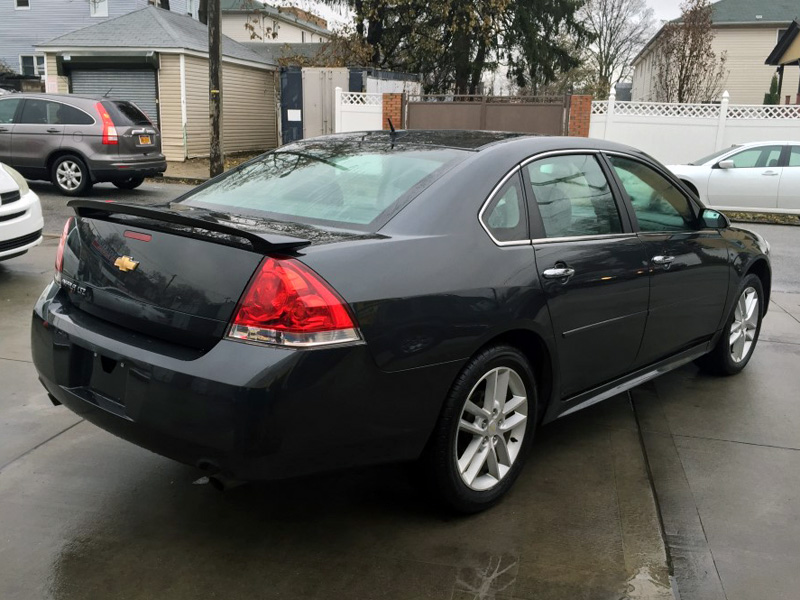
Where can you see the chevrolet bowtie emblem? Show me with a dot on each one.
(126, 263)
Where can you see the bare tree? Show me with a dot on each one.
(620, 29)
(686, 67)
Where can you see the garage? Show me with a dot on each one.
(135, 85)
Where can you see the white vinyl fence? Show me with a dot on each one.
(681, 133)
(356, 111)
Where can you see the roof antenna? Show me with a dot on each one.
(107, 93)
(393, 134)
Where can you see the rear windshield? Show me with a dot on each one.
(125, 113)
(353, 186)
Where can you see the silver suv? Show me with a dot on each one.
(76, 141)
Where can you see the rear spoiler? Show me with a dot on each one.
(261, 242)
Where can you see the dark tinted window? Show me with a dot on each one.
(342, 184)
(125, 113)
(573, 196)
(8, 108)
(505, 215)
(69, 115)
(658, 204)
(39, 112)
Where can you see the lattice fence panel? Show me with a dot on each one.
(664, 109)
(361, 99)
(599, 107)
(758, 111)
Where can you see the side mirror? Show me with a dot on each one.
(726, 164)
(713, 219)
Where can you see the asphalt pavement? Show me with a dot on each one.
(56, 212)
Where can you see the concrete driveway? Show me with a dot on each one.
(84, 515)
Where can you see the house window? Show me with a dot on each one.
(22, 4)
(191, 8)
(98, 8)
(30, 64)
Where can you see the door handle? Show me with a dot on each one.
(558, 273)
(53, 130)
(663, 260)
(769, 173)
(3, 129)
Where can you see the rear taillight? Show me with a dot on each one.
(109, 129)
(288, 304)
(60, 252)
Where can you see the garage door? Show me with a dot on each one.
(136, 85)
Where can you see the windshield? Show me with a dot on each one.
(710, 157)
(342, 184)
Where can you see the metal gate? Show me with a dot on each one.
(136, 85)
(546, 115)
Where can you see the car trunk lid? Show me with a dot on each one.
(136, 134)
(171, 273)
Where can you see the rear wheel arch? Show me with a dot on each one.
(535, 349)
(56, 154)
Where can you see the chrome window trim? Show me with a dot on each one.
(583, 238)
(488, 201)
(547, 153)
(94, 121)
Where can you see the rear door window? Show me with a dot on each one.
(573, 196)
(8, 109)
(39, 112)
(69, 115)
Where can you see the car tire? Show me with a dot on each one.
(739, 337)
(494, 436)
(71, 176)
(131, 183)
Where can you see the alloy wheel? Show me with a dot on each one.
(745, 325)
(69, 175)
(491, 428)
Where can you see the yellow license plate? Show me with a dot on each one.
(145, 139)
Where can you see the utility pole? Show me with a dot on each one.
(214, 16)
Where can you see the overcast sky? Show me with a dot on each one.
(665, 9)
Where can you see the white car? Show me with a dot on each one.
(21, 219)
(759, 176)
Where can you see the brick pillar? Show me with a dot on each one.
(393, 109)
(580, 115)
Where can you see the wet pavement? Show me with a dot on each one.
(84, 515)
(725, 459)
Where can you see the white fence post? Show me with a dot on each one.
(612, 100)
(337, 120)
(723, 117)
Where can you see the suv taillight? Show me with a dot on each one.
(109, 129)
(60, 252)
(288, 304)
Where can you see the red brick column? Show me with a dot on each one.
(393, 109)
(580, 115)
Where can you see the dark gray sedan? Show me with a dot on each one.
(378, 297)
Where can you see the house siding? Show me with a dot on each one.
(169, 103)
(234, 26)
(56, 83)
(748, 77)
(22, 30)
(249, 120)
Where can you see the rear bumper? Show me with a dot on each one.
(122, 169)
(21, 225)
(252, 412)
